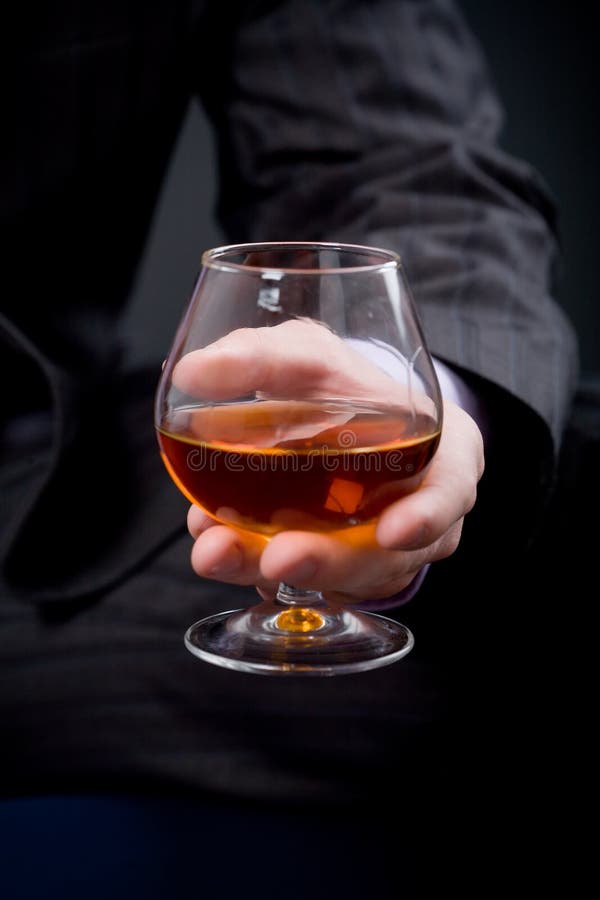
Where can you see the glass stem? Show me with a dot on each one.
(301, 609)
(293, 596)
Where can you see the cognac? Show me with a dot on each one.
(269, 465)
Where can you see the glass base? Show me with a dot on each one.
(298, 641)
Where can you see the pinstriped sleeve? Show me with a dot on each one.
(376, 122)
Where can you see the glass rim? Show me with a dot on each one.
(213, 258)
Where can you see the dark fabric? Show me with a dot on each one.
(375, 122)
(96, 96)
(113, 696)
(364, 121)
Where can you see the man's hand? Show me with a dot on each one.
(418, 529)
(421, 528)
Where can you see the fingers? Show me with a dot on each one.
(420, 528)
(198, 521)
(222, 553)
(327, 563)
(332, 564)
(296, 358)
(231, 367)
(423, 518)
(448, 491)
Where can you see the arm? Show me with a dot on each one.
(374, 122)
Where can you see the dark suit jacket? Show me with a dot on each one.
(371, 122)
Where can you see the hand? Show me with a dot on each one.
(421, 528)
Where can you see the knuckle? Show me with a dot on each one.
(427, 531)
(449, 543)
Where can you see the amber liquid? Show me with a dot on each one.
(268, 466)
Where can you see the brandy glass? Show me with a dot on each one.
(299, 395)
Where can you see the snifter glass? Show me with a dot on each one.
(299, 395)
